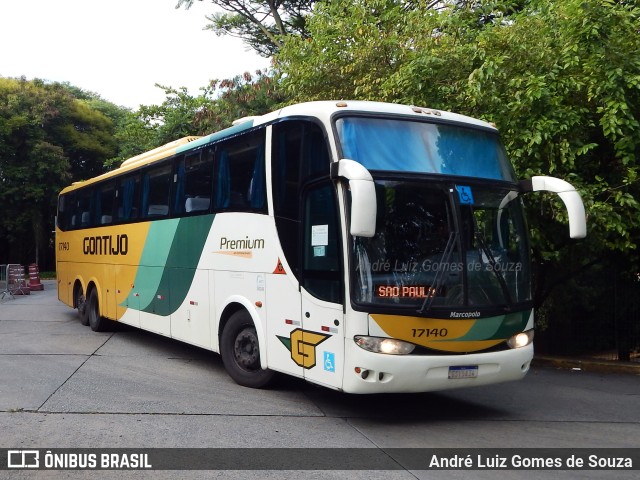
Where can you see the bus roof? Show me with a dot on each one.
(326, 109)
(322, 110)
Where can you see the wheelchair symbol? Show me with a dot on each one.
(329, 362)
(465, 195)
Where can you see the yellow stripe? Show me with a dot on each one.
(433, 333)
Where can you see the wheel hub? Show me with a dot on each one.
(246, 350)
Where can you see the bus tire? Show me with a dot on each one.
(240, 351)
(81, 303)
(96, 322)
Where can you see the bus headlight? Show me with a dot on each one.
(390, 346)
(521, 339)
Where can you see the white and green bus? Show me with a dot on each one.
(362, 246)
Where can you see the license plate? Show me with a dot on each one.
(470, 371)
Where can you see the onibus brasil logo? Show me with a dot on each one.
(302, 345)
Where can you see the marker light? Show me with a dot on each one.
(389, 346)
(521, 339)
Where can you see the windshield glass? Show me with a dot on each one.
(443, 245)
(411, 146)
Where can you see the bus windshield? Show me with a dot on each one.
(443, 245)
(421, 147)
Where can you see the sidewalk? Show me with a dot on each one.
(586, 364)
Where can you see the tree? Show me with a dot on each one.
(559, 78)
(352, 50)
(371, 49)
(563, 84)
(133, 136)
(183, 114)
(261, 24)
(175, 117)
(241, 96)
(48, 138)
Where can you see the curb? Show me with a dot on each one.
(587, 365)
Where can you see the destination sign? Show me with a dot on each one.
(403, 291)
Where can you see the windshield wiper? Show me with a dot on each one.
(438, 279)
(494, 265)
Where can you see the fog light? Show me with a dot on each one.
(389, 346)
(521, 339)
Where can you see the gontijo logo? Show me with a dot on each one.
(106, 245)
(302, 345)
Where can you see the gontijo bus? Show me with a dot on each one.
(366, 247)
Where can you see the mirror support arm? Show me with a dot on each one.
(570, 197)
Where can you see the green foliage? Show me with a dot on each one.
(133, 137)
(241, 96)
(398, 51)
(175, 117)
(563, 86)
(560, 78)
(352, 50)
(49, 136)
(52, 134)
(183, 114)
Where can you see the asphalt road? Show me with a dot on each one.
(64, 386)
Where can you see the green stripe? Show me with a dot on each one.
(154, 256)
(171, 254)
(495, 328)
(483, 329)
(512, 324)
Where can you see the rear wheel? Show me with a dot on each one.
(240, 350)
(81, 303)
(96, 322)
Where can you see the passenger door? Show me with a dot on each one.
(321, 342)
(305, 290)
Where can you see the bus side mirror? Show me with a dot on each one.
(570, 197)
(363, 196)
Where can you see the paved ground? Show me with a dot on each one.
(64, 386)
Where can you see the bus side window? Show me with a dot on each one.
(300, 154)
(240, 183)
(73, 221)
(64, 213)
(193, 183)
(128, 198)
(84, 208)
(104, 204)
(156, 184)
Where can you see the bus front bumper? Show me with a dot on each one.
(367, 372)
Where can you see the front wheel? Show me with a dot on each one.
(240, 351)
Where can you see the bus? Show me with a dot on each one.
(362, 246)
